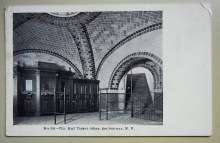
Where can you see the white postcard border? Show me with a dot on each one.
(186, 59)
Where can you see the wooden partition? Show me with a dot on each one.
(26, 93)
(85, 95)
(35, 91)
(47, 85)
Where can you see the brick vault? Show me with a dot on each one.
(88, 41)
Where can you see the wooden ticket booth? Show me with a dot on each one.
(34, 89)
(85, 95)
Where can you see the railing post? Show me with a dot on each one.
(55, 101)
(100, 113)
(106, 104)
(131, 92)
(54, 105)
(64, 108)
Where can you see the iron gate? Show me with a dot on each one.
(144, 107)
(140, 105)
(112, 105)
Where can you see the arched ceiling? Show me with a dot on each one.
(84, 39)
(109, 28)
(37, 35)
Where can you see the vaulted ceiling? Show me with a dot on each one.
(84, 40)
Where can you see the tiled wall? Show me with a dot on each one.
(82, 41)
(35, 35)
(67, 37)
(136, 59)
(149, 46)
(109, 28)
(88, 40)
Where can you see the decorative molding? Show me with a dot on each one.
(50, 53)
(80, 36)
(138, 58)
(63, 14)
(82, 17)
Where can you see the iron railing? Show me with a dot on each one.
(148, 106)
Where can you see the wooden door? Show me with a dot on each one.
(47, 85)
(26, 103)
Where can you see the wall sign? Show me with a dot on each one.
(28, 85)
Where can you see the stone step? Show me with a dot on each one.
(139, 84)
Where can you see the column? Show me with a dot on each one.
(38, 92)
(15, 96)
(121, 101)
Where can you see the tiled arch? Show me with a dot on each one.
(35, 34)
(80, 36)
(74, 26)
(82, 17)
(127, 39)
(86, 34)
(78, 30)
(137, 59)
(49, 53)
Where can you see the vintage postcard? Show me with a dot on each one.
(108, 70)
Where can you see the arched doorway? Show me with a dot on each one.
(137, 80)
(146, 101)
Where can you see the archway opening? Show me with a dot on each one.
(138, 70)
(138, 80)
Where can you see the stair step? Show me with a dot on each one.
(139, 84)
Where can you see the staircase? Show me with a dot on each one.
(140, 90)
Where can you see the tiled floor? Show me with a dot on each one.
(84, 119)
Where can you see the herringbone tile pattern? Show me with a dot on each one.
(35, 34)
(143, 59)
(84, 41)
(109, 28)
